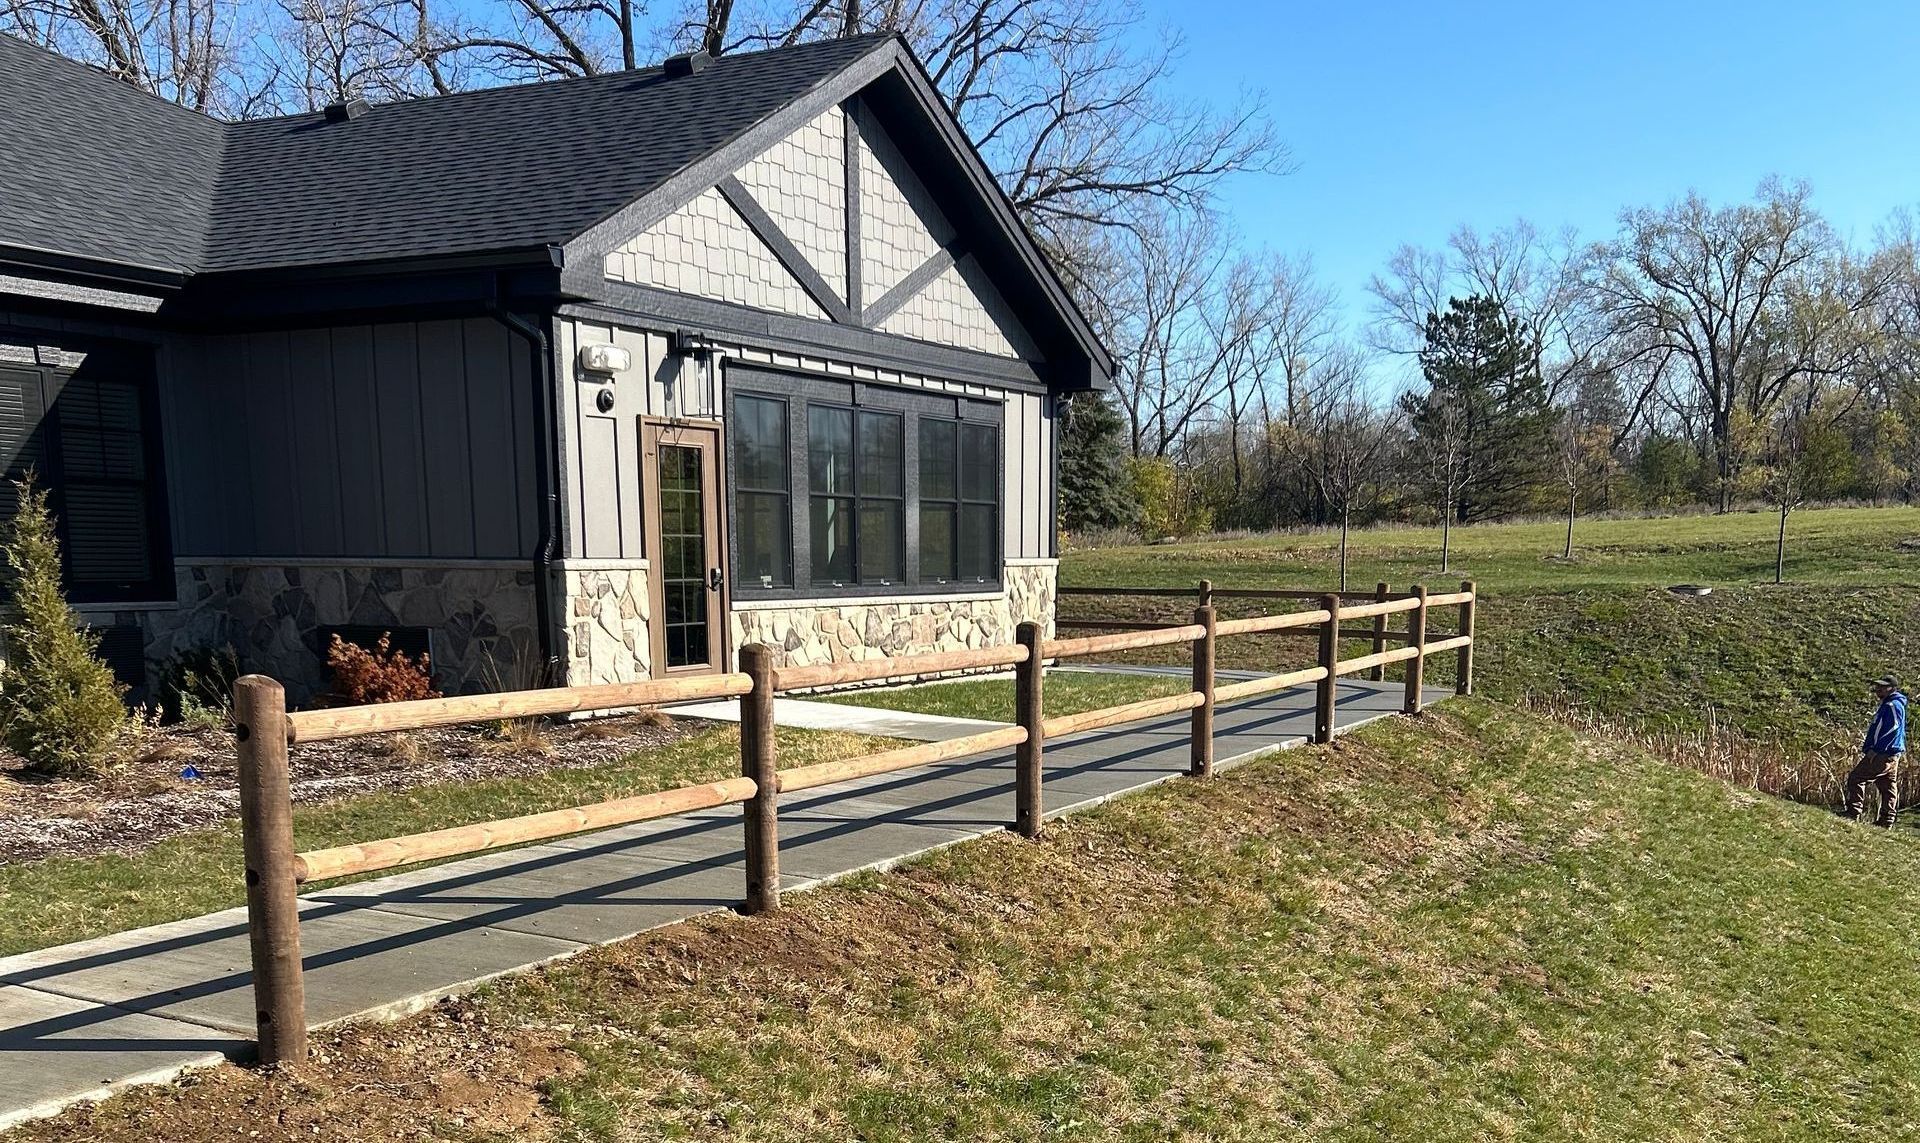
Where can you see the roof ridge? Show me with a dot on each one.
(568, 80)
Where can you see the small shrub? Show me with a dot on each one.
(382, 674)
(196, 687)
(60, 705)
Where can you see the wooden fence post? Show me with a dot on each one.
(1379, 672)
(757, 762)
(1200, 762)
(1206, 593)
(1329, 659)
(273, 906)
(1417, 666)
(1463, 676)
(1029, 710)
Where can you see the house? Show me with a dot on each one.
(612, 374)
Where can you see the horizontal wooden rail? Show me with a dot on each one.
(1453, 643)
(1122, 641)
(1449, 599)
(887, 761)
(1271, 683)
(421, 714)
(1162, 592)
(906, 666)
(1113, 715)
(366, 857)
(1261, 623)
(1378, 659)
(1364, 610)
(1112, 624)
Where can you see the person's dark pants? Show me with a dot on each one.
(1878, 769)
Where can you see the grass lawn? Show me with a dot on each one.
(1475, 925)
(59, 900)
(1839, 546)
(1063, 692)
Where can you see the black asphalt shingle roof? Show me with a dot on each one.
(93, 168)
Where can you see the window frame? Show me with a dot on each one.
(798, 391)
(134, 365)
(732, 493)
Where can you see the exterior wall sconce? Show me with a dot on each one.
(605, 359)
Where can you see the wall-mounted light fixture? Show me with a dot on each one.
(605, 359)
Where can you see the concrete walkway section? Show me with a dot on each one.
(81, 1020)
(809, 715)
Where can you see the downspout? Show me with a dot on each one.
(546, 478)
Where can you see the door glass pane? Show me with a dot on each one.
(830, 449)
(979, 462)
(938, 453)
(832, 534)
(683, 557)
(936, 542)
(881, 544)
(881, 456)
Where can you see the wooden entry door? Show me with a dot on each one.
(686, 543)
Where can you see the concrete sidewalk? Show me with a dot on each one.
(81, 1020)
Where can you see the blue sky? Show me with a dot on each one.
(1408, 119)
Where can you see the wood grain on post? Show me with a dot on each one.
(757, 763)
(1463, 674)
(273, 908)
(1029, 708)
(1200, 759)
(1206, 593)
(1329, 662)
(1379, 673)
(1417, 666)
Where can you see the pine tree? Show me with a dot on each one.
(1485, 419)
(60, 705)
(1094, 491)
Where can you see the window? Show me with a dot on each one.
(856, 489)
(87, 433)
(898, 488)
(959, 501)
(762, 502)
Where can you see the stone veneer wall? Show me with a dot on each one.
(607, 607)
(481, 616)
(820, 632)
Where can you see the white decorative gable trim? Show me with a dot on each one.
(829, 223)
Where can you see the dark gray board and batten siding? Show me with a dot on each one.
(406, 440)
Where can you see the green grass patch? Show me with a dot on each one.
(58, 900)
(1063, 692)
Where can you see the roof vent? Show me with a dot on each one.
(348, 109)
(686, 63)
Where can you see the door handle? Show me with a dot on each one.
(713, 579)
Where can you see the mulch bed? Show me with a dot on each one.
(147, 800)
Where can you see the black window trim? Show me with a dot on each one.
(796, 390)
(141, 365)
(859, 496)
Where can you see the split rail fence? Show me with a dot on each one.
(265, 730)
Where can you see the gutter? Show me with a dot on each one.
(547, 479)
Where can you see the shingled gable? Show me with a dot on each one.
(502, 175)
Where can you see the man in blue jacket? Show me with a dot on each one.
(1880, 753)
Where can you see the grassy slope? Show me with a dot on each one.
(52, 902)
(1782, 662)
(1476, 926)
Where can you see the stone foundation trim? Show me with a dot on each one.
(601, 563)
